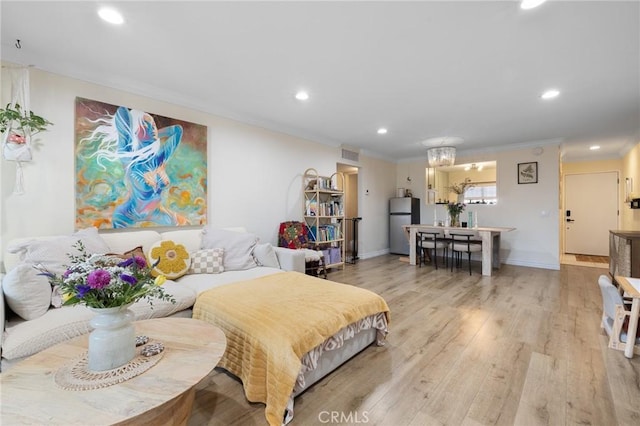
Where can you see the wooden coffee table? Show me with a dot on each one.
(162, 395)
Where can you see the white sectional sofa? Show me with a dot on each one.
(31, 323)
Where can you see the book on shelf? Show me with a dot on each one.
(331, 208)
(322, 184)
(312, 233)
(329, 232)
(325, 233)
(311, 207)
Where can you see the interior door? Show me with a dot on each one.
(591, 210)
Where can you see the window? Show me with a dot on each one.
(481, 193)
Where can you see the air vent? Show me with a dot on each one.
(350, 155)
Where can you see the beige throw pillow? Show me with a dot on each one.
(265, 255)
(238, 247)
(53, 253)
(137, 251)
(27, 293)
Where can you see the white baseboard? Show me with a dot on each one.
(541, 265)
(515, 262)
(373, 254)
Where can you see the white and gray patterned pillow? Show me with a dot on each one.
(207, 261)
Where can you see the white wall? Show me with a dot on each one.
(631, 168)
(255, 175)
(378, 178)
(255, 178)
(533, 209)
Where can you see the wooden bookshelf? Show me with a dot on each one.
(324, 214)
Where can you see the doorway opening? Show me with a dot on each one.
(350, 210)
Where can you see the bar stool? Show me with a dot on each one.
(431, 241)
(463, 242)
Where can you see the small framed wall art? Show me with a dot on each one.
(528, 172)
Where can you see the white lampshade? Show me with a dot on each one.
(440, 156)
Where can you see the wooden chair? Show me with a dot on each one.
(463, 242)
(295, 235)
(615, 316)
(429, 242)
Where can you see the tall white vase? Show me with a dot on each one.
(112, 343)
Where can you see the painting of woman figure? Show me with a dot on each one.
(135, 169)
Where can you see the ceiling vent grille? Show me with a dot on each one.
(350, 155)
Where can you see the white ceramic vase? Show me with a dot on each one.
(112, 343)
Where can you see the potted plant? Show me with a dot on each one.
(20, 124)
(460, 188)
(454, 210)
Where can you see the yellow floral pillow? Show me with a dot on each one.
(170, 259)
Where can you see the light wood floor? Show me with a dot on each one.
(523, 347)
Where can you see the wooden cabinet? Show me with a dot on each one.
(324, 214)
(624, 253)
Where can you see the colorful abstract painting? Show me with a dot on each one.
(138, 169)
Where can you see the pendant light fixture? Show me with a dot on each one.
(440, 151)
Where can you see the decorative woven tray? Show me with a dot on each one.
(76, 374)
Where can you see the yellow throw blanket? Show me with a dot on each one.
(271, 322)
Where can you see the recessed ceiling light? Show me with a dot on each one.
(302, 95)
(550, 94)
(112, 16)
(594, 147)
(530, 4)
(382, 131)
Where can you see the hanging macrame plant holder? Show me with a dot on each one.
(16, 140)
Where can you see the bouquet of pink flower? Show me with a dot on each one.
(106, 281)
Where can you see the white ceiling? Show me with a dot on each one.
(420, 68)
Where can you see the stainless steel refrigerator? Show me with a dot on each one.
(402, 211)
